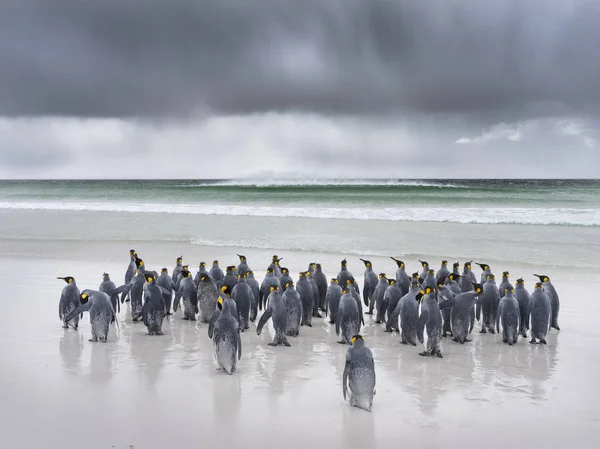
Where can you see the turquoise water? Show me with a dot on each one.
(531, 202)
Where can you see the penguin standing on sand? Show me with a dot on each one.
(429, 280)
(370, 282)
(227, 342)
(166, 282)
(177, 269)
(243, 297)
(391, 298)
(406, 314)
(468, 278)
(444, 294)
(69, 301)
(540, 312)
(129, 273)
(201, 270)
(107, 286)
(554, 301)
(509, 316)
(187, 292)
(344, 273)
(423, 273)
(315, 289)
(255, 287)
(359, 375)
(216, 273)
(207, 295)
(101, 313)
(332, 301)
(243, 267)
(153, 311)
(230, 278)
(278, 312)
(293, 306)
(505, 284)
(402, 278)
(523, 298)
(455, 269)
(304, 288)
(136, 290)
(443, 272)
(285, 278)
(489, 305)
(354, 290)
(270, 280)
(486, 272)
(348, 319)
(321, 281)
(275, 266)
(225, 299)
(461, 308)
(378, 296)
(431, 318)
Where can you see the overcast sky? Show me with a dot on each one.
(316, 88)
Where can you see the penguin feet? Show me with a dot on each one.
(492, 331)
(246, 327)
(66, 326)
(93, 339)
(387, 330)
(403, 342)
(466, 340)
(413, 343)
(272, 344)
(377, 322)
(342, 342)
(533, 342)
(510, 343)
(556, 326)
(331, 322)
(185, 318)
(127, 300)
(286, 343)
(483, 331)
(439, 354)
(369, 313)
(75, 327)
(542, 341)
(424, 353)
(317, 315)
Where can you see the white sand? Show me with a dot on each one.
(57, 390)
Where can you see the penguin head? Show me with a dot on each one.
(180, 259)
(230, 268)
(225, 289)
(345, 290)
(105, 277)
(344, 262)
(444, 263)
(313, 264)
(131, 252)
(509, 290)
(440, 283)
(453, 276)
(185, 273)
(484, 266)
(318, 266)
(139, 262)
(520, 281)
(430, 271)
(505, 274)
(333, 281)
(204, 277)
(429, 290)
(415, 275)
(67, 279)
(392, 281)
(279, 259)
(216, 262)
(491, 277)
(249, 273)
(240, 276)
(382, 276)
(542, 277)
(270, 270)
(477, 288)
(289, 283)
(242, 258)
(274, 287)
(415, 284)
(348, 282)
(301, 274)
(539, 285)
(185, 267)
(468, 264)
(150, 278)
(84, 298)
(356, 338)
(420, 295)
(220, 303)
(202, 264)
(284, 270)
(366, 262)
(398, 262)
(424, 264)
(307, 273)
(455, 265)
(274, 258)
(164, 270)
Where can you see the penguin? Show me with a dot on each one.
(402, 278)
(285, 278)
(431, 318)
(255, 287)
(230, 278)
(101, 313)
(275, 266)
(540, 312)
(207, 294)
(415, 277)
(391, 297)
(243, 297)
(451, 283)
(180, 277)
(554, 301)
(321, 281)
(430, 280)
(332, 301)
(344, 273)
(509, 316)
(269, 281)
(187, 292)
(177, 269)
(407, 311)
(354, 290)
(359, 375)
(224, 296)
(201, 270)
(455, 269)
(443, 272)
(444, 294)
(347, 320)
(216, 273)
(243, 267)
(486, 272)
(107, 286)
(461, 308)
(135, 288)
(304, 288)
(468, 278)
(227, 342)
(315, 289)
(423, 273)
(293, 306)
(130, 272)
(505, 284)
(278, 312)
(166, 282)
(69, 301)
(370, 282)
(523, 298)
(153, 311)
(382, 284)
(311, 267)
(489, 304)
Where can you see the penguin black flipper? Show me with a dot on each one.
(421, 324)
(263, 320)
(83, 308)
(478, 311)
(337, 323)
(365, 298)
(123, 289)
(446, 304)
(345, 377)
(211, 323)
(145, 309)
(176, 300)
(239, 345)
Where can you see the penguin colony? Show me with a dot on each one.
(441, 303)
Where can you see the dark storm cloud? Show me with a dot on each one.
(171, 58)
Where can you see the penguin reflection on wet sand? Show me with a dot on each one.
(358, 381)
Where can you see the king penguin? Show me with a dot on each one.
(369, 284)
(443, 272)
(107, 286)
(334, 294)
(69, 301)
(402, 278)
(359, 375)
(227, 342)
(100, 310)
(540, 312)
(430, 318)
(504, 284)
(508, 316)
(523, 298)
(293, 306)
(554, 301)
(216, 273)
(277, 311)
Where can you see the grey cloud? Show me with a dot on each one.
(158, 59)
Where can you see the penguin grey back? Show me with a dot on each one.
(554, 300)
(69, 301)
(540, 311)
(359, 378)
